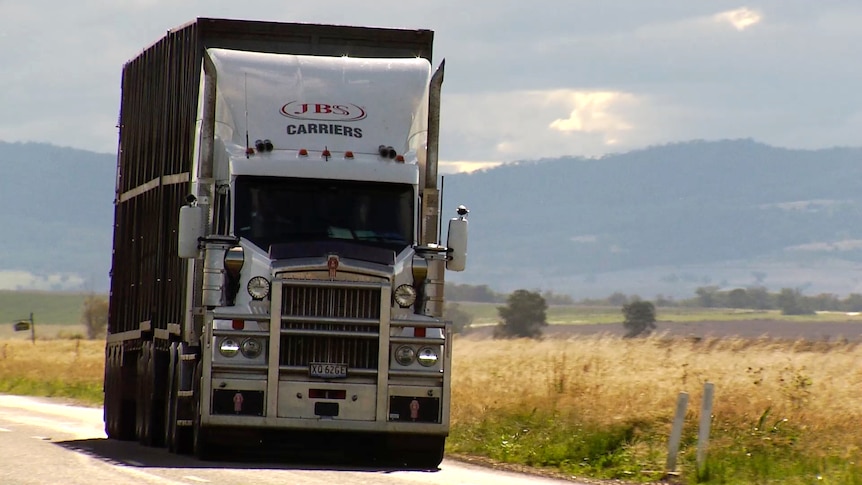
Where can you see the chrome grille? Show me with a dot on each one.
(333, 324)
(331, 302)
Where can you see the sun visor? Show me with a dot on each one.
(312, 102)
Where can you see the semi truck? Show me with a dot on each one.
(278, 268)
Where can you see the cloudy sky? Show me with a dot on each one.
(524, 80)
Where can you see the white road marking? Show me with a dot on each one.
(4, 430)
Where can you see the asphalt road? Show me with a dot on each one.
(47, 442)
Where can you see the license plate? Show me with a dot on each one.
(327, 371)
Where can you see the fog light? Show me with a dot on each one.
(427, 356)
(251, 348)
(405, 355)
(228, 347)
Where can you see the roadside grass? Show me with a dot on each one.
(71, 369)
(486, 314)
(785, 412)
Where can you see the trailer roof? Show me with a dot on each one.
(306, 39)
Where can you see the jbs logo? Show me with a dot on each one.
(323, 111)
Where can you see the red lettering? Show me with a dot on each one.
(303, 110)
(322, 109)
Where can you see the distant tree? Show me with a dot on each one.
(461, 320)
(853, 303)
(759, 298)
(476, 293)
(707, 296)
(94, 316)
(617, 299)
(791, 302)
(663, 301)
(639, 318)
(738, 298)
(523, 316)
(557, 299)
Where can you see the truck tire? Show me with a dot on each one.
(119, 409)
(181, 439)
(144, 394)
(203, 448)
(150, 419)
(424, 453)
(169, 397)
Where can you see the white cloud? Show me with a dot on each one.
(740, 19)
(624, 74)
(593, 112)
(24, 280)
(844, 245)
(452, 166)
(524, 125)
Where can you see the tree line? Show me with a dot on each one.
(791, 301)
(484, 294)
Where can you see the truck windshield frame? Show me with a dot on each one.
(274, 210)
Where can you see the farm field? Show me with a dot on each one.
(585, 402)
(486, 314)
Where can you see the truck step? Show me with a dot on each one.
(185, 393)
(185, 423)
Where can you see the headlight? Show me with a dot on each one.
(228, 347)
(251, 348)
(405, 295)
(258, 287)
(405, 355)
(427, 356)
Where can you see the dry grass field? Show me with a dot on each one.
(784, 411)
(55, 368)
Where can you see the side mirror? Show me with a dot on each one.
(457, 244)
(190, 231)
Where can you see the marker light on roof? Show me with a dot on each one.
(348, 155)
(386, 151)
(326, 154)
(303, 152)
(399, 159)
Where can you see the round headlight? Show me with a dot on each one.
(427, 356)
(405, 295)
(405, 355)
(228, 347)
(258, 287)
(251, 348)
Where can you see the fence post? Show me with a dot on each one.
(676, 432)
(705, 424)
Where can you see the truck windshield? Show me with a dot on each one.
(284, 210)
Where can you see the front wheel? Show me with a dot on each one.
(418, 452)
(201, 441)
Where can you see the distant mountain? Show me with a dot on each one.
(664, 219)
(667, 219)
(56, 211)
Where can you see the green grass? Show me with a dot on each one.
(486, 313)
(48, 308)
(89, 393)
